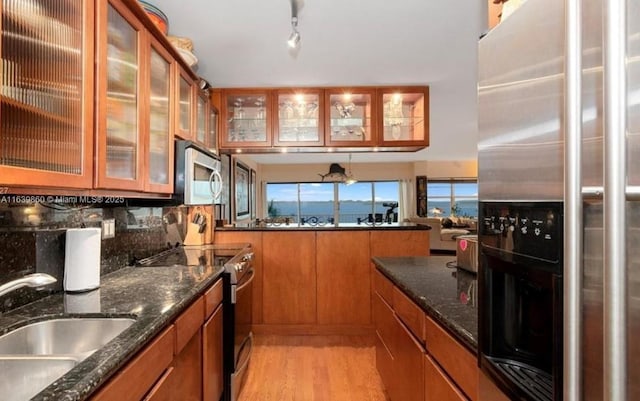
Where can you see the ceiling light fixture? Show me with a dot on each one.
(294, 38)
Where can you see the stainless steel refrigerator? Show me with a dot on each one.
(559, 120)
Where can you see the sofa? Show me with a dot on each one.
(444, 239)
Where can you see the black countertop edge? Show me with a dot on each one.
(292, 227)
(434, 287)
(154, 296)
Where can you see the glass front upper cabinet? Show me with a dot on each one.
(404, 116)
(185, 105)
(119, 158)
(160, 137)
(212, 137)
(46, 93)
(299, 117)
(350, 117)
(247, 120)
(202, 114)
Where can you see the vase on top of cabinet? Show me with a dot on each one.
(46, 96)
(403, 116)
(246, 120)
(350, 116)
(299, 117)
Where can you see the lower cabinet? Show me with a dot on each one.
(438, 386)
(399, 355)
(416, 358)
(212, 374)
(183, 363)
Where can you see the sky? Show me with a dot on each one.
(324, 191)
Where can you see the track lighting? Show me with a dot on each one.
(294, 38)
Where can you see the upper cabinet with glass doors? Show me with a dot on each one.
(350, 116)
(299, 117)
(160, 119)
(46, 96)
(120, 120)
(246, 118)
(403, 116)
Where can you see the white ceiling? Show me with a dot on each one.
(242, 43)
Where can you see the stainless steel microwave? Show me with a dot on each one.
(198, 180)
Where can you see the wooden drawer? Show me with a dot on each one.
(212, 298)
(162, 390)
(454, 358)
(139, 375)
(409, 312)
(438, 386)
(189, 323)
(384, 322)
(383, 286)
(408, 365)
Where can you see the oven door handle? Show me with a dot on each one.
(236, 288)
(248, 342)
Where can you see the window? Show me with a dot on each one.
(333, 203)
(462, 194)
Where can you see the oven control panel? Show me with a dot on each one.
(532, 229)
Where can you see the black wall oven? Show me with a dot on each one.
(520, 295)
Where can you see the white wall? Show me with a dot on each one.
(447, 169)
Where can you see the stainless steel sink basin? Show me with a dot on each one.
(24, 377)
(75, 337)
(34, 356)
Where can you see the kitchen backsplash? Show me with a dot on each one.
(32, 240)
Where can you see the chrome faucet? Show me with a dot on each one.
(30, 280)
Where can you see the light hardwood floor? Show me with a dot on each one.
(313, 368)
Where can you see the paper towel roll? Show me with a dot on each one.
(82, 259)
(86, 302)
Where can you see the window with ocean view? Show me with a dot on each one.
(443, 194)
(334, 203)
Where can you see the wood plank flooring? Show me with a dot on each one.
(313, 368)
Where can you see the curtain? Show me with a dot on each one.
(406, 200)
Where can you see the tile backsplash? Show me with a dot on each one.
(32, 239)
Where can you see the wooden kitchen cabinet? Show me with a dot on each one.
(397, 350)
(122, 47)
(202, 117)
(459, 363)
(212, 346)
(46, 96)
(350, 116)
(160, 119)
(137, 378)
(184, 110)
(403, 116)
(438, 386)
(59, 117)
(413, 344)
(339, 300)
(212, 133)
(289, 278)
(246, 118)
(298, 117)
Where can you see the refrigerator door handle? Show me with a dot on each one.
(573, 195)
(614, 207)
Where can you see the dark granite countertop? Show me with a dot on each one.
(448, 295)
(154, 296)
(328, 227)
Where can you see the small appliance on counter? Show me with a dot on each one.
(467, 252)
(82, 259)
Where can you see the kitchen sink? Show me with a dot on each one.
(25, 376)
(34, 356)
(72, 337)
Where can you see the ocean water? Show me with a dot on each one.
(350, 211)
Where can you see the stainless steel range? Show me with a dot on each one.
(235, 264)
